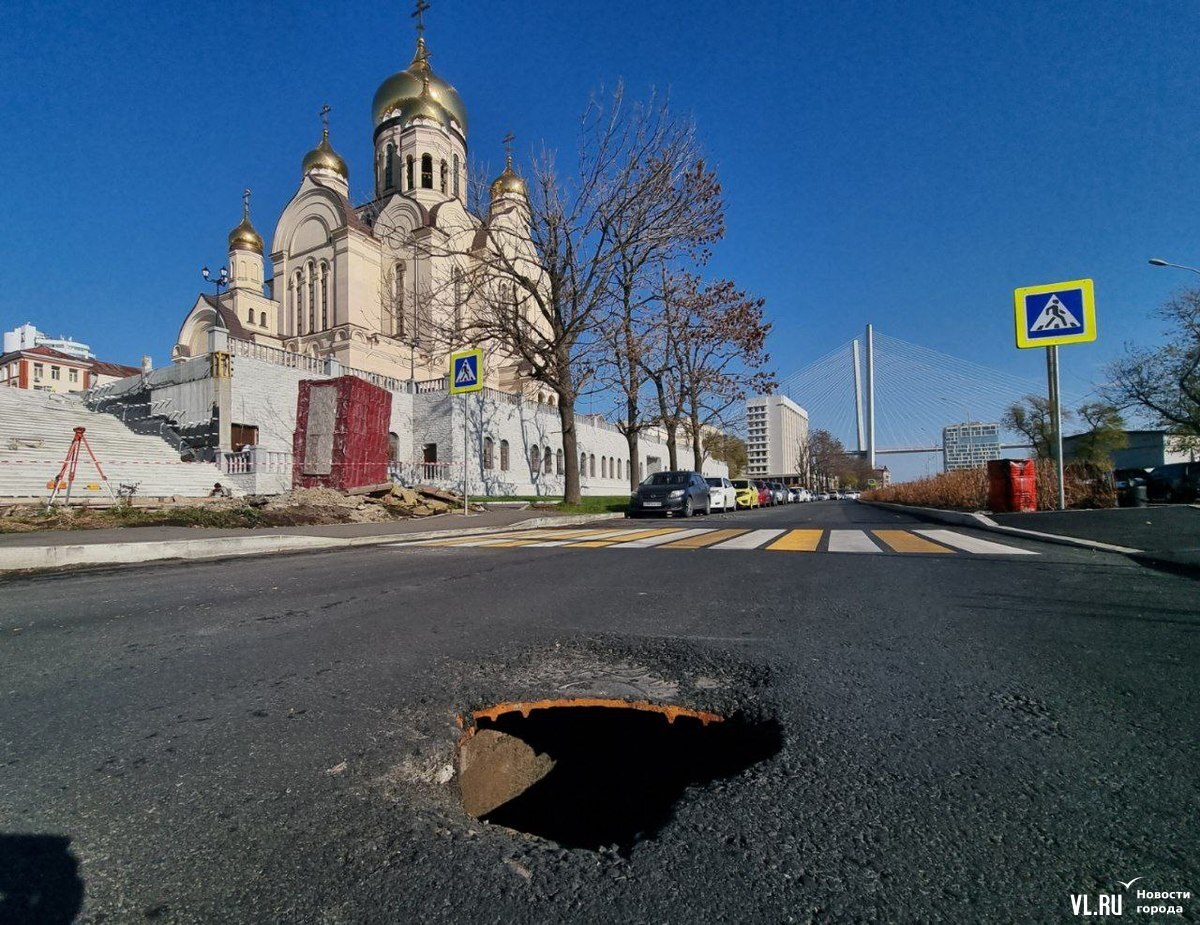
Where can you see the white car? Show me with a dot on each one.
(722, 493)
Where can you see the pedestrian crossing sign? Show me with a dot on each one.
(466, 371)
(1056, 313)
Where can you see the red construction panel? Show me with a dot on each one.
(341, 438)
(1012, 486)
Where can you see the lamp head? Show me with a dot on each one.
(1158, 262)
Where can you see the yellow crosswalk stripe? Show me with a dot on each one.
(705, 539)
(903, 541)
(798, 541)
(616, 540)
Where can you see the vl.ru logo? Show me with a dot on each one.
(1102, 904)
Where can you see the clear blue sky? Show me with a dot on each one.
(901, 163)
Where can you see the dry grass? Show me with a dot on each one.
(966, 489)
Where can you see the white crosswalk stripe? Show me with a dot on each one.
(974, 544)
(647, 542)
(851, 541)
(751, 540)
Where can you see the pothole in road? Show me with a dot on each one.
(591, 773)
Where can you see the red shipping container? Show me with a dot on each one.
(341, 436)
(1012, 486)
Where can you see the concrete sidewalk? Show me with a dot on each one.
(1165, 536)
(129, 545)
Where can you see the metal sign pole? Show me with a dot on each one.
(466, 455)
(1056, 420)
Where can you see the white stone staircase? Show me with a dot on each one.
(36, 429)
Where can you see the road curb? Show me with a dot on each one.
(983, 522)
(42, 558)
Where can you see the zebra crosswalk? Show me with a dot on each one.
(904, 542)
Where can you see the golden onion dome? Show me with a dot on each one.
(245, 238)
(423, 106)
(509, 181)
(407, 85)
(323, 157)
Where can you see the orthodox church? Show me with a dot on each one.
(374, 287)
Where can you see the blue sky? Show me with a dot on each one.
(907, 164)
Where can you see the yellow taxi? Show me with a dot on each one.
(747, 493)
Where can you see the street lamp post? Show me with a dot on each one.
(219, 280)
(1159, 262)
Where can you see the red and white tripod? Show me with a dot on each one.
(70, 464)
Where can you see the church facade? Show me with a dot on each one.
(374, 287)
(378, 290)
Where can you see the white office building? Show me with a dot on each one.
(969, 445)
(776, 427)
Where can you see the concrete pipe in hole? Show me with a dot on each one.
(592, 773)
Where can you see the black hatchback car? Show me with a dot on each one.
(1174, 482)
(682, 493)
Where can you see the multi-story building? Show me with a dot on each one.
(776, 428)
(44, 369)
(27, 336)
(969, 445)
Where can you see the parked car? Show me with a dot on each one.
(793, 496)
(766, 497)
(1174, 482)
(722, 493)
(747, 493)
(682, 493)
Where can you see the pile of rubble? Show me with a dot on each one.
(373, 504)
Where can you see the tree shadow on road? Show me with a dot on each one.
(39, 880)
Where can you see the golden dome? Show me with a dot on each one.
(509, 181)
(407, 85)
(423, 106)
(323, 157)
(244, 237)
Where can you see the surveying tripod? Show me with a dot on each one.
(70, 464)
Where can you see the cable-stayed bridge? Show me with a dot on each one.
(881, 395)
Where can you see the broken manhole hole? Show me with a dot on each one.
(591, 773)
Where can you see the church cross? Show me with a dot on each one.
(508, 140)
(419, 16)
(325, 111)
(245, 203)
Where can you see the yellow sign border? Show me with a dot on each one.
(454, 357)
(1087, 335)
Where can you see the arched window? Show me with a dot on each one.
(547, 461)
(409, 185)
(489, 451)
(388, 158)
(619, 469)
(592, 466)
(535, 460)
(558, 463)
(603, 467)
(298, 290)
(458, 299)
(396, 321)
(324, 296)
(503, 455)
(310, 274)
(262, 320)
(427, 171)
(582, 465)
(444, 173)
(456, 176)
(249, 316)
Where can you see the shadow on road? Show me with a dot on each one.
(39, 880)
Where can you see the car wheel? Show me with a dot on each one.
(708, 507)
(687, 507)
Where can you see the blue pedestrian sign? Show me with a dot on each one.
(466, 371)
(1056, 313)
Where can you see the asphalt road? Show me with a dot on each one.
(962, 737)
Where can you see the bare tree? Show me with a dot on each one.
(1165, 381)
(673, 210)
(1031, 418)
(718, 342)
